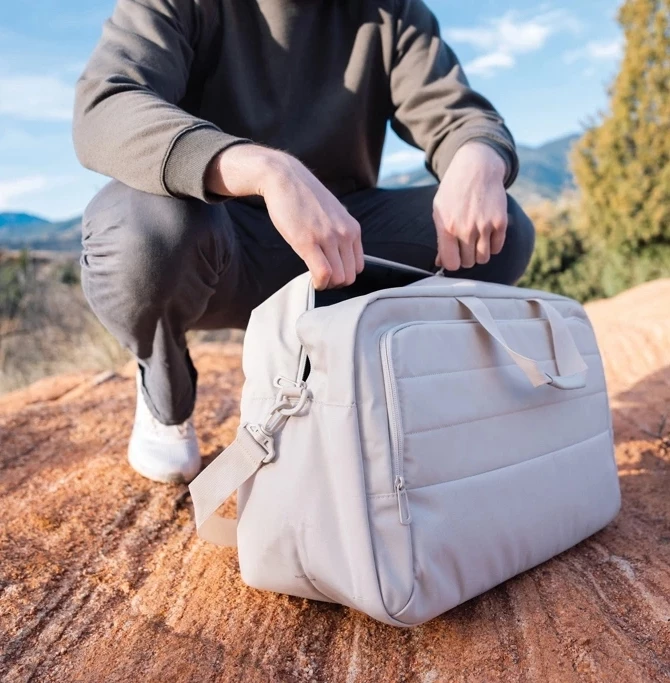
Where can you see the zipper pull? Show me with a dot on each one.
(403, 501)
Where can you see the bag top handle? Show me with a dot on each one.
(571, 366)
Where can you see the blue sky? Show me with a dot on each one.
(545, 66)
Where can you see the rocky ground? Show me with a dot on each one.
(103, 579)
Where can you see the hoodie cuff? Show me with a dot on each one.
(445, 152)
(186, 162)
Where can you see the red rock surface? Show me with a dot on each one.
(103, 579)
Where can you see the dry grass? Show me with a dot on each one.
(47, 327)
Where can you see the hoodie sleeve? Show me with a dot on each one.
(127, 122)
(434, 107)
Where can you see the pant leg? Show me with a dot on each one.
(266, 264)
(398, 225)
(154, 267)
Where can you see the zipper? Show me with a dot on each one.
(302, 358)
(404, 513)
(393, 404)
(391, 390)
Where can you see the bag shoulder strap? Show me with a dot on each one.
(212, 487)
(253, 447)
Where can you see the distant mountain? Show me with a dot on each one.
(21, 231)
(544, 172)
(19, 219)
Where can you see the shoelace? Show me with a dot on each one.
(185, 429)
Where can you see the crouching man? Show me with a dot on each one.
(244, 140)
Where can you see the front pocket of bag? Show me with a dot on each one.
(458, 406)
(473, 533)
(464, 419)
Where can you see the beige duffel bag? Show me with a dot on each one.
(407, 449)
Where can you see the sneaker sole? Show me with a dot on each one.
(153, 475)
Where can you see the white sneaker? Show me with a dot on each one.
(165, 453)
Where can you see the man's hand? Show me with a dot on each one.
(470, 208)
(314, 223)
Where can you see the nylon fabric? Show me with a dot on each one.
(225, 475)
(425, 467)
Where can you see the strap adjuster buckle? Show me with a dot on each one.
(291, 399)
(265, 441)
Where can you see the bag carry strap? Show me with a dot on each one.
(212, 487)
(571, 366)
(253, 447)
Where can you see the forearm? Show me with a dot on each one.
(476, 129)
(311, 220)
(483, 161)
(246, 170)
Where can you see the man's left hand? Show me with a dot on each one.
(470, 208)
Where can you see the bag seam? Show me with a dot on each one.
(364, 480)
(513, 412)
(249, 455)
(488, 367)
(313, 401)
(495, 469)
(437, 292)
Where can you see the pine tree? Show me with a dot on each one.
(622, 165)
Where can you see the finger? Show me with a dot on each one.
(498, 236)
(319, 267)
(332, 253)
(448, 256)
(483, 247)
(348, 262)
(467, 252)
(359, 254)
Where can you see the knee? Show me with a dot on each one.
(152, 248)
(140, 243)
(519, 243)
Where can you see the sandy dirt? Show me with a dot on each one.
(103, 579)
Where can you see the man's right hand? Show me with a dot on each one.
(314, 223)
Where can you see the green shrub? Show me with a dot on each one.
(69, 274)
(622, 163)
(558, 248)
(622, 269)
(568, 261)
(15, 277)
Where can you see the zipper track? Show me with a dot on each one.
(302, 358)
(393, 403)
(392, 394)
(391, 390)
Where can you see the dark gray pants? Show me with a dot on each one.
(154, 267)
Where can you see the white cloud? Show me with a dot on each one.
(502, 39)
(596, 51)
(403, 159)
(488, 63)
(9, 189)
(36, 98)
